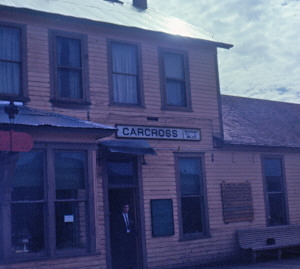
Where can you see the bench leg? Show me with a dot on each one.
(279, 254)
(253, 256)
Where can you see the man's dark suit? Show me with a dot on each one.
(125, 248)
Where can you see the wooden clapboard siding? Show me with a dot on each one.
(232, 165)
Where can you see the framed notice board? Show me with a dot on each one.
(237, 202)
(162, 217)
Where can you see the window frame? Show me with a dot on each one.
(54, 96)
(265, 188)
(163, 78)
(50, 250)
(203, 196)
(140, 88)
(22, 96)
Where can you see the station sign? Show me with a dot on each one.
(154, 132)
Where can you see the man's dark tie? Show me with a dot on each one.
(127, 222)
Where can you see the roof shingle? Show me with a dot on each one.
(257, 122)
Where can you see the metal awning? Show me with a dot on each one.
(139, 147)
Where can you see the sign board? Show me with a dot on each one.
(68, 218)
(153, 132)
(15, 141)
(237, 202)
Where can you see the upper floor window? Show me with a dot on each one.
(192, 195)
(12, 73)
(276, 206)
(175, 82)
(69, 67)
(125, 74)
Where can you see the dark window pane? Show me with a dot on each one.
(274, 184)
(70, 175)
(68, 52)
(176, 95)
(162, 217)
(272, 167)
(125, 89)
(190, 171)
(174, 67)
(70, 219)
(28, 180)
(277, 209)
(191, 211)
(27, 223)
(120, 172)
(69, 83)
(10, 44)
(10, 77)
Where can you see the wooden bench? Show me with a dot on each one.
(269, 240)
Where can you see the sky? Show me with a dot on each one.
(265, 60)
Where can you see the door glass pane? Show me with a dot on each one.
(121, 172)
(27, 224)
(191, 211)
(272, 167)
(190, 171)
(274, 184)
(277, 209)
(28, 179)
(70, 169)
(70, 220)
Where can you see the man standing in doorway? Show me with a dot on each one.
(126, 239)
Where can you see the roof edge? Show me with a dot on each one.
(22, 9)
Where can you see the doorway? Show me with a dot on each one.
(123, 188)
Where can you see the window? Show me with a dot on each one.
(50, 210)
(28, 204)
(276, 208)
(69, 74)
(192, 195)
(125, 74)
(175, 83)
(12, 64)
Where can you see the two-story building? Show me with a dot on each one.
(117, 103)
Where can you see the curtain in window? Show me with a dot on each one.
(124, 64)
(10, 60)
(69, 71)
(175, 80)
